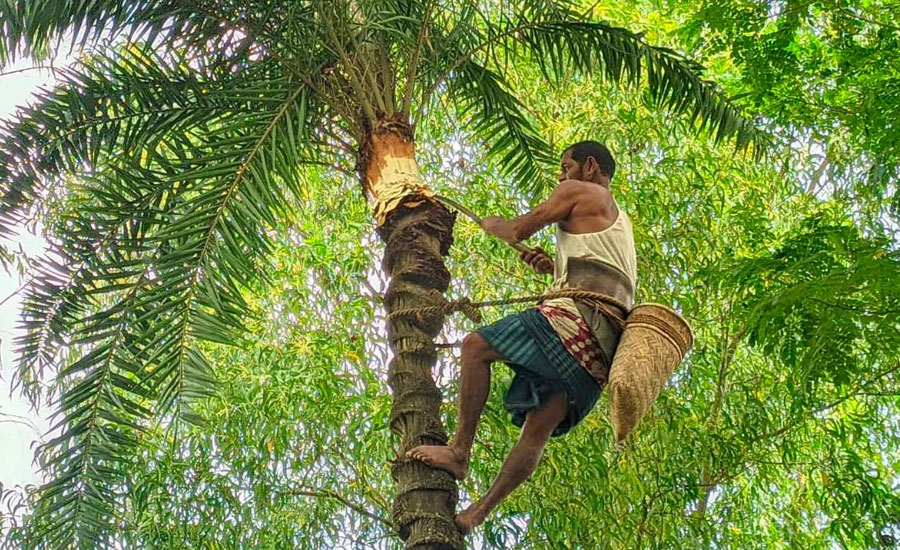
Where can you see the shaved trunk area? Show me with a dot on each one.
(417, 233)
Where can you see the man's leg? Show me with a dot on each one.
(475, 383)
(521, 462)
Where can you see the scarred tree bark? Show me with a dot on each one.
(417, 232)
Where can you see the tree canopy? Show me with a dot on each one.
(780, 430)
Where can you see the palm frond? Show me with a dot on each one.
(564, 47)
(497, 118)
(110, 117)
(237, 183)
(104, 108)
(31, 28)
(173, 176)
(35, 28)
(562, 44)
(98, 417)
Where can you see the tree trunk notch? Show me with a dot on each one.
(417, 232)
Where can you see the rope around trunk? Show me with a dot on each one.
(443, 306)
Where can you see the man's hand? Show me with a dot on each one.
(539, 260)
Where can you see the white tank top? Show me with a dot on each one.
(614, 246)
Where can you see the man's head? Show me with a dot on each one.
(587, 161)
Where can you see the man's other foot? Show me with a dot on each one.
(442, 457)
(469, 519)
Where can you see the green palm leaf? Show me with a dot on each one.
(497, 117)
(157, 242)
(99, 415)
(473, 59)
(35, 28)
(566, 46)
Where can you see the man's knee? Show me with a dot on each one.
(540, 423)
(474, 346)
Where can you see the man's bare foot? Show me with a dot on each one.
(468, 519)
(442, 457)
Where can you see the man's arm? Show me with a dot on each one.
(555, 209)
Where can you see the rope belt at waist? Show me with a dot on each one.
(443, 306)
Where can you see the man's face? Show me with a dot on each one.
(569, 169)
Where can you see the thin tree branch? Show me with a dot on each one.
(721, 477)
(817, 175)
(848, 13)
(857, 392)
(856, 310)
(325, 493)
(446, 345)
(727, 355)
(50, 68)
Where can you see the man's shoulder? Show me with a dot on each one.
(575, 184)
(587, 191)
(583, 185)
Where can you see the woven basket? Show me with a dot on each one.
(654, 342)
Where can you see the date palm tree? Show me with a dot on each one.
(164, 157)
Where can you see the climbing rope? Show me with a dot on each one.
(443, 306)
(475, 218)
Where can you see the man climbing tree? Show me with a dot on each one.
(561, 350)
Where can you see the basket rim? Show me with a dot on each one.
(678, 316)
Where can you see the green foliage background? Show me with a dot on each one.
(781, 430)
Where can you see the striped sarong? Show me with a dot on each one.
(542, 367)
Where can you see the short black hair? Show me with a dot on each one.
(583, 149)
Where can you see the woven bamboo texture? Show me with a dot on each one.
(654, 342)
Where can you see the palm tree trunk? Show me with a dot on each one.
(417, 232)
